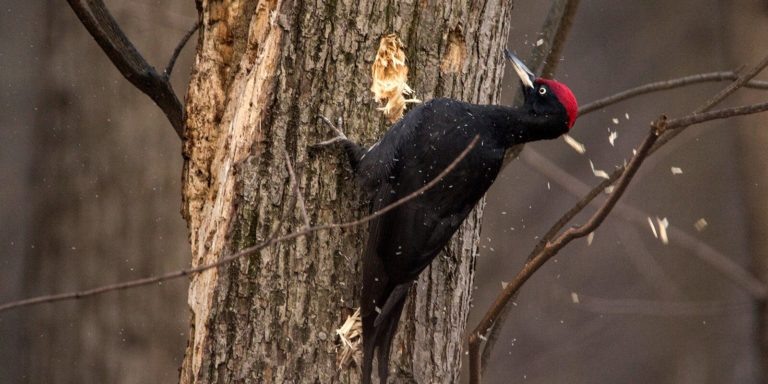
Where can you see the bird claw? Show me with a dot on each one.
(340, 136)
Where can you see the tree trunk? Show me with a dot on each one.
(264, 71)
(105, 195)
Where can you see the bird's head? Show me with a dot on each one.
(545, 97)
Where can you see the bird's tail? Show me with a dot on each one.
(379, 330)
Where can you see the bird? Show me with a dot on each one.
(404, 241)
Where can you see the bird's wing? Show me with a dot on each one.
(380, 161)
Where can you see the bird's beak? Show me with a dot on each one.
(525, 74)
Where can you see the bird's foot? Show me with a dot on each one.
(340, 136)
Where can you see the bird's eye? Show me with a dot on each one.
(542, 91)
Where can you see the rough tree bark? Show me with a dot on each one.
(263, 71)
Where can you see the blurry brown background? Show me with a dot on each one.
(89, 194)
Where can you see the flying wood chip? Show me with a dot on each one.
(390, 75)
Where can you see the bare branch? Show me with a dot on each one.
(177, 51)
(552, 247)
(242, 253)
(733, 87)
(698, 118)
(296, 191)
(94, 15)
(667, 85)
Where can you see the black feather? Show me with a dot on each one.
(404, 241)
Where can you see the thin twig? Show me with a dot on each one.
(93, 14)
(711, 103)
(177, 51)
(296, 190)
(242, 253)
(698, 118)
(667, 85)
(733, 87)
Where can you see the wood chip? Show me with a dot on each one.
(599, 172)
(653, 228)
(578, 147)
(676, 171)
(700, 224)
(663, 225)
(590, 237)
(575, 297)
(612, 137)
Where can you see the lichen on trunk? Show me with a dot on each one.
(263, 73)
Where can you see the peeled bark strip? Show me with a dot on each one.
(263, 72)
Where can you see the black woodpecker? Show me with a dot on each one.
(417, 148)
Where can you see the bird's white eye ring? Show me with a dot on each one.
(542, 91)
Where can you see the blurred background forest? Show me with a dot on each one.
(90, 194)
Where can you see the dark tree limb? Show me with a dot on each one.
(177, 51)
(94, 15)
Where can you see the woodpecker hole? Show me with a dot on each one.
(455, 52)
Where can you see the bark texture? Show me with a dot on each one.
(263, 71)
(104, 188)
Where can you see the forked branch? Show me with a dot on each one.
(93, 14)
